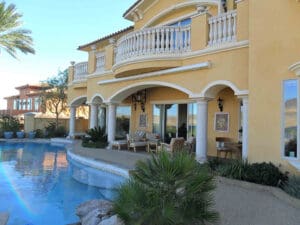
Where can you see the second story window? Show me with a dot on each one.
(16, 102)
(36, 104)
(182, 23)
(29, 102)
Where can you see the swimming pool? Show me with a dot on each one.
(36, 186)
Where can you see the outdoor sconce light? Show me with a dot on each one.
(139, 97)
(220, 104)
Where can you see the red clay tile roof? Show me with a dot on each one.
(105, 37)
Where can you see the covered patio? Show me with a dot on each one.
(170, 111)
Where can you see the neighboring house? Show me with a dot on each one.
(28, 100)
(219, 68)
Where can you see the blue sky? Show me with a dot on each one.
(58, 28)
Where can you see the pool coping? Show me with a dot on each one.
(99, 165)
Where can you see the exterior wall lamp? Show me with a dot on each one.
(220, 104)
(139, 97)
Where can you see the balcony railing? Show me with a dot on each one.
(168, 40)
(222, 28)
(100, 61)
(81, 71)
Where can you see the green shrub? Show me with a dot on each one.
(167, 190)
(60, 131)
(9, 123)
(260, 173)
(235, 169)
(96, 138)
(39, 133)
(265, 173)
(52, 131)
(292, 186)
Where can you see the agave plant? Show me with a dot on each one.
(12, 37)
(167, 190)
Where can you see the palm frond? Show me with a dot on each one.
(12, 37)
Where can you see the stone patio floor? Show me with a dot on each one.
(239, 203)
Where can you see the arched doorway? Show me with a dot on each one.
(156, 107)
(81, 123)
(226, 112)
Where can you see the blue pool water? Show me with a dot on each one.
(37, 188)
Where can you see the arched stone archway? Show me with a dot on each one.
(153, 88)
(73, 105)
(95, 103)
(209, 92)
(130, 89)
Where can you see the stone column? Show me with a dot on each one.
(201, 130)
(245, 127)
(93, 115)
(72, 121)
(111, 128)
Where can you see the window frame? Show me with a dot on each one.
(283, 121)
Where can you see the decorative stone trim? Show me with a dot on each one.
(203, 65)
(295, 67)
(99, 165)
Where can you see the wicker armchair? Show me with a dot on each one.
(176, 144)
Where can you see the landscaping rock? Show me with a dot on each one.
(4, 218)
(113, 220)
(92, 218)
(105, 207)
(95, 212)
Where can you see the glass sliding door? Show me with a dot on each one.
(174, 120)
(101, 116)
(182, 120)
(123, 114)
(157, 127)
(171, 121)
(192, 119)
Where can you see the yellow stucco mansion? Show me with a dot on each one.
(199, 68)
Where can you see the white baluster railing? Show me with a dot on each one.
(100, 61)
(153, 41)
(222, 28)
(81, 71)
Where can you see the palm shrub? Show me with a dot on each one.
(167, 190)
(96, 137)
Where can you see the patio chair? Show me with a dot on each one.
(176, 144)
(136, 141)
(153, 142)
(190, 144)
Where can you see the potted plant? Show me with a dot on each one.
(31, 134)
(9, 126)
(20, 134)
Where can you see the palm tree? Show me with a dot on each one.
(167, 190)
(12, 37)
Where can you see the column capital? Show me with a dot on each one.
(112, 103)
(243, 97)
(202, 99)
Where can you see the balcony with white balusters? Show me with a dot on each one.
(222, 29)
(80, 71)
(158, 46)
(153, 43)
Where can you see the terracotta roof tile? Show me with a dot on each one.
(105, 37)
